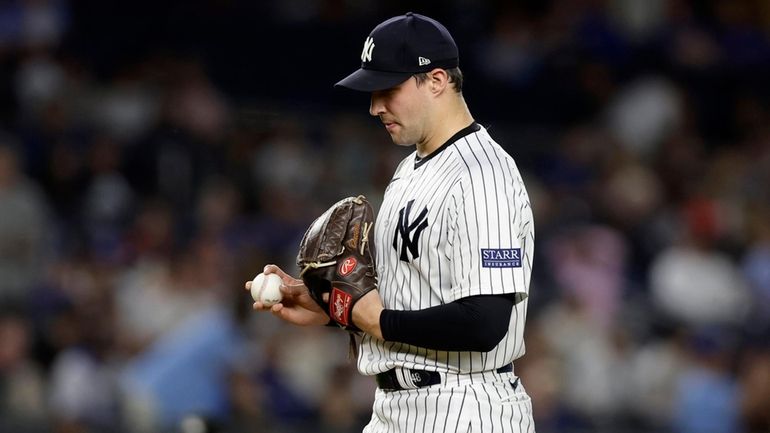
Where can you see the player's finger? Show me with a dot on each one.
(296, 289)
(259, 306)
(274, 269)
(279, 311)
(286, 314)
(325, 297)
(247, 285)
(285, 278)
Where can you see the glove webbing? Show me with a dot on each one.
(365, 236)
(364, 240)
(316, 265)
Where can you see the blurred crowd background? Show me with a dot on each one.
(154, 156)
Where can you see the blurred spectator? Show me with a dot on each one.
(638, 21)
(156, 296)
(195, 105)
(542, 371)
(588, 265)
(33, 23)
(185, 371)
(686, 40)
(127, 109)
(707, 397)
(107, 201)
(594, 365)
(644, 113)
(151, 235)
(23, 228)
(754, 381)
(342, 409)
(40, 80)
(511, 56)
(83, 393)
(698, 286)
(654, 372)
(287, 161)
(22, 380)
(756, 270)
(631, 193)
(743, 40)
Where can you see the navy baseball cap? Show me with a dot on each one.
(400, 47)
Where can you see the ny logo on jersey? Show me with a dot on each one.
(366, 54)
(409, 240)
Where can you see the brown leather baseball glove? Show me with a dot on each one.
(336, 257)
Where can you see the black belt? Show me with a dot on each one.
(388, 380)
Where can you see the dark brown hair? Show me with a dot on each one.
(455, 77)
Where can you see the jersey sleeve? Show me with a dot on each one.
(490, 240)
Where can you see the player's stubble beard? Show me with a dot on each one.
(398, 137)
(402, 135)
(411, 121)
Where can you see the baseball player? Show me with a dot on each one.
(454, 243)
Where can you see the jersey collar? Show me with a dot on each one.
(470, 129)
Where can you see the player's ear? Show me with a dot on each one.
(438, 80)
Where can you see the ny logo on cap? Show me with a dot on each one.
(366, 54)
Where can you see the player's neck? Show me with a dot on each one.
(445, 124)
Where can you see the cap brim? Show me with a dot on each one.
(367, 80)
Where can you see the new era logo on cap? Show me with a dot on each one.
(406, 45)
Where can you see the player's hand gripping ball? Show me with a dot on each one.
(266, 289)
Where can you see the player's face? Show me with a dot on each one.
(402, 110)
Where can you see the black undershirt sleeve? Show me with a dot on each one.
(475, 323)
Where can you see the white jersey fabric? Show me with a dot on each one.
(457, 223)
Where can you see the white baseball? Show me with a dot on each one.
(266, 289)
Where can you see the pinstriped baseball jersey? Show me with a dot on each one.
(455, 224)
(489, 407)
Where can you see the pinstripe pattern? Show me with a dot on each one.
(475, 199)
(489, 407)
